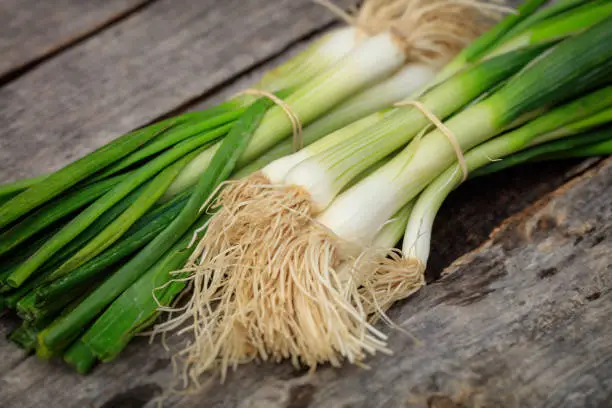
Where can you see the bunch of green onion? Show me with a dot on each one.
(297, 259)
(86, 252)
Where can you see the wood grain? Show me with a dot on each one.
(32, 30)
(521, 322)
(156, 60)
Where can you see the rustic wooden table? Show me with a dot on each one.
(521, 319)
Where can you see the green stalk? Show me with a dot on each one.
(57, 182)
(565, 129)
(76, 171)
(12, 298)
(25, 307)
(572, 67)
(557, 149)
(567, 119)
(92, 231)
(53, 211)
(153, 191)
(42, 316)
(23, 337)
(392, 232)
(140, 234)
(488, 40)
(551, 10)
(225, 111)
(89, 215)
(602, 148)
(6, 199)
(576, 65)
(555, 28)
(313, 144)
(64, 330)
(16, 187)
(418, 232)
(340, 164)
(136, 308)
(216, 127)
(80, 357)
(60, 257)
(19, 255)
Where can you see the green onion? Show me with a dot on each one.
(89, 215)
(64, 330)
(12, 189)
(573, 66)
(24, 337)
(563, 25)
(139, 235)
(591, 143)
(80, 357)
(61, 180)
(488, 40)
(136, 308)
(418, 231)
(84, 249)
(325, 174)
(595, 149)
(54, 211)
(151, 193)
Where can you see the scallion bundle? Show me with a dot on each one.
(290, 265)
(87, 253)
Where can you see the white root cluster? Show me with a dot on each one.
(254, 293)
(269, 283)
(431, 31)
(394, 277)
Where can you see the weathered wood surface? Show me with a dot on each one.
(522, 322)
(164, 57)
(32, 30)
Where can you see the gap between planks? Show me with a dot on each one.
(53, 49)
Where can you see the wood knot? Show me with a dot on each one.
(136, 397)
(441, 401)
(300, 396)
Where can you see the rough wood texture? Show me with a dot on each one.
(32, 30)
(153, 62)
(521, 322)
(470, 212)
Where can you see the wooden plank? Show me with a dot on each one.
(33, 30)
(134, 72)
(521, 322)
(480, 205)
(447, 370)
